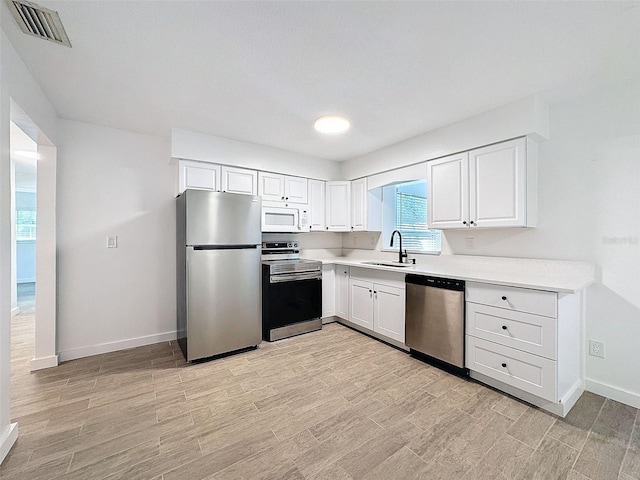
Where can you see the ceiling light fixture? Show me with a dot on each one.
(331, 125)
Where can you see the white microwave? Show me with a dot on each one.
(285, 219)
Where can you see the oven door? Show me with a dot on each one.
(289, 302)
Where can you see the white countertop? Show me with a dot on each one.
(551, 275)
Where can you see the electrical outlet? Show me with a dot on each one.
(112, 241)
(596, 348)
(469, 243)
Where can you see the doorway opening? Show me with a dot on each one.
(23, 156)
(33, 244)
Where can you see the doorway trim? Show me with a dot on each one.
(45, 355)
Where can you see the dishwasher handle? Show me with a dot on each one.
(436, 282)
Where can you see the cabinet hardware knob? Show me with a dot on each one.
(504, 327)
(464, 222)
(504, 298)
(504, 365)
(286, 198)
(471, 222)
(327, 228)
(375, 292)
(281, 198)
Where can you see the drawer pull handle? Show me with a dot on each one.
(504, 365)
(504, 327)
(504, 298)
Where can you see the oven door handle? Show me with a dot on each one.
(295, 276)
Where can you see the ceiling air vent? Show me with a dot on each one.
(39, 21)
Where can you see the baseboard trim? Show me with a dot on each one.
(15, 311)
(329, 319)
(7, 439)
(73, 353)
(614, 393)
(44, 362)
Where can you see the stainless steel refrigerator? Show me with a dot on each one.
(218, 272)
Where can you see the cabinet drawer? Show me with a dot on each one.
(531, 373)
(532, 333)
(513, 298)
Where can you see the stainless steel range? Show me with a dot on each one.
(291, 292)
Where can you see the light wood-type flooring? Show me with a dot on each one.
(333, 404)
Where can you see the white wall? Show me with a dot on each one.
(209, 148)
(16, 84)
(589, 205)
(524, 117)
(113, 182)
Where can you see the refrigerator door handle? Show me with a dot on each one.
(223, 247)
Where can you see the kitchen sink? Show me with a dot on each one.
(390, 264)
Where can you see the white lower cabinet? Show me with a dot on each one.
(328, 291)
(342, 292)
(361, 303)
(377, 302)
(388, 311)
(525, 342)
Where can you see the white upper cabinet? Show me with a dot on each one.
(338, 196)
(239, 180)
(448, 191)
(493, 186)
(295, 190)
(359, 204)
(198, 175)
(317, 205)
(498, 185)
(351, 207)
(282, 188)
(271, 186)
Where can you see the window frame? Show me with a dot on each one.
(390, 208)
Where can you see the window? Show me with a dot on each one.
(405, 209)
(25, 215)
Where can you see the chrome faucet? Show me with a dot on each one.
(401, 255)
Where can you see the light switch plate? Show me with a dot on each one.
(112, 241)
(469, 243)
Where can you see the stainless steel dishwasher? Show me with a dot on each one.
(434, 321)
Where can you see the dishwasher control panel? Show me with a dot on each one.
(437, 282)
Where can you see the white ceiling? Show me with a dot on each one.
(263, 71)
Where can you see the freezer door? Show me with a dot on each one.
(216, 218)
(223, 301)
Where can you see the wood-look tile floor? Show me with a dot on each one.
(333, 404)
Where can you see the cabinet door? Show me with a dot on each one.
(239, 180)
(497, 185)
(342, 292)
(328, 291)
(448, 192)
(295, 190)
(338, 210)
(388, 312)
(271, 186)
(198, 175)
(359, 204)
(316, 204)
(361, 303)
